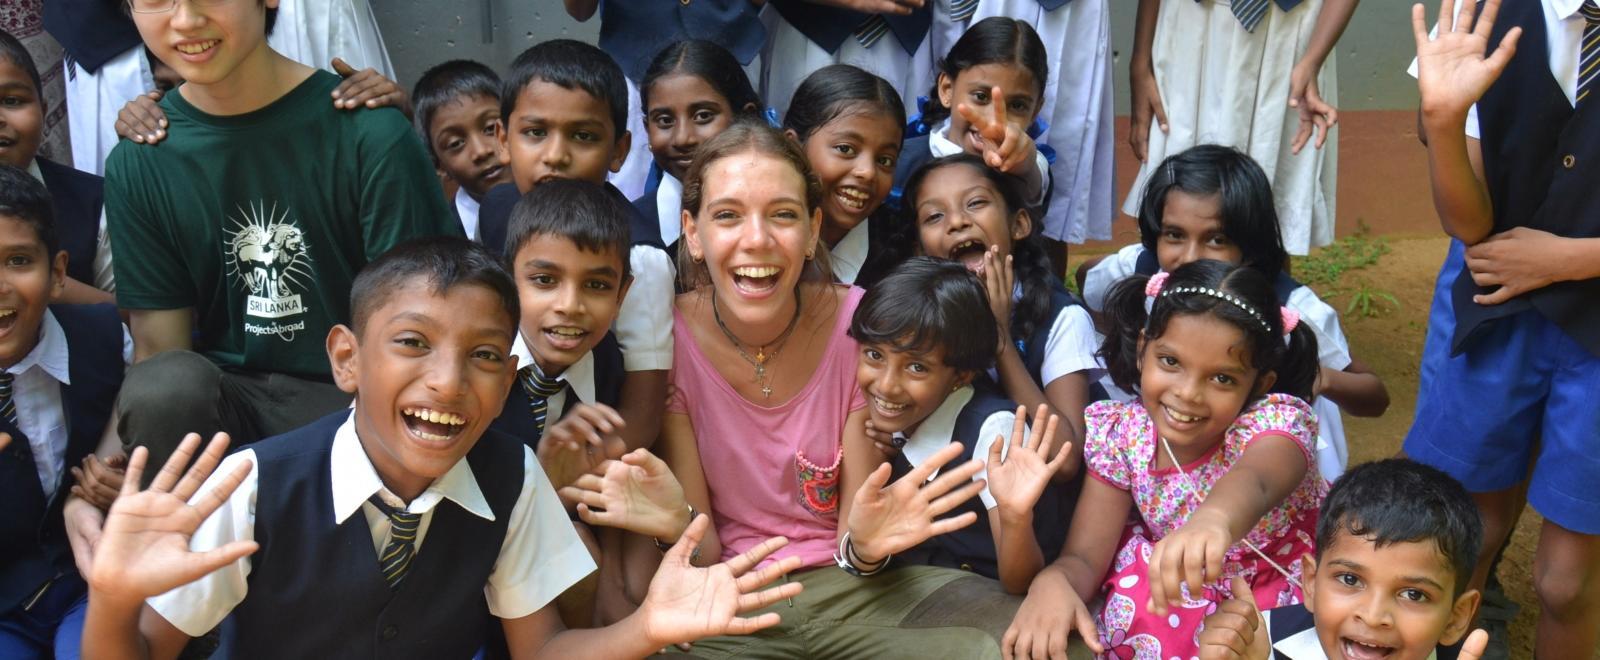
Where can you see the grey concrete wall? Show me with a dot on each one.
(1372, 55)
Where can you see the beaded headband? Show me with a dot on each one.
(1156, 287)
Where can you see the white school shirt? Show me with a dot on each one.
(540, 557)
(940, 146)
(851, 253)
(579, 377)
(669, 208)
(644, 321)
(36, 391)
(104, 279)
(1563, 31)
(934, 434)
(1070, 347)
(467, 208)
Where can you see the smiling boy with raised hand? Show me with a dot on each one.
(458, 525)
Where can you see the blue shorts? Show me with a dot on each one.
(1522, 393)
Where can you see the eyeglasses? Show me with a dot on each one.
(160, 6)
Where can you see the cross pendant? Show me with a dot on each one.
(766, 391)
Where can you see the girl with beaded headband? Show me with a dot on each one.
(1216, 455)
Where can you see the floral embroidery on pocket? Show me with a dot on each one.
(819, 485)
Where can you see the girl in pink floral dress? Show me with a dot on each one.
(1215, 459)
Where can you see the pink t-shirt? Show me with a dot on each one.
(771, 471)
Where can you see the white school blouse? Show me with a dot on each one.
(934, 434)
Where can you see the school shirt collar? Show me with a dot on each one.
(1564, 9)
(355, 480)
(579, 376)
(669, 208)
(1304, 645)
(851, 253)
(467, 208)
(33, 169)
(935, 431)
(939, 144)
(50, 354)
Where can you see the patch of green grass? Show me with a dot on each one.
(1325, 269)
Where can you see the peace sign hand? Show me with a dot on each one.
(144, 548)
(1017, 482)
(1456, 68)
(886, 520)
(1003, 145)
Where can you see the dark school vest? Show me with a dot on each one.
(91, 31)
(33, 543)
(828, 27)
(315, 590)
(1541, 159)
(972, 548)
(1282, 283)
(633, 31)
(494, 217)
(1032, 349)
(78, 198)
(515, 419)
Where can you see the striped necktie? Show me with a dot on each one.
(396, 557)
(1591, 47)
(1250, 12)
(961, 10)
(539, 388)
(8, 407)
(871, 30)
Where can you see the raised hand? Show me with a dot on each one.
(1192, 555)
(98, 481)
(1317, 117)
(1235, 630)
(1049, 614)
(1457, 67)
(1005, 146)
(888, 518)
(142, 119)
(1017, 482)
(999, 281)
(882, 440)
(637, 493)
(580, 442)
(686, 603)
(367, 88)
(144, 548)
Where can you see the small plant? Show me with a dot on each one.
(1328, 265)
(1369, 300)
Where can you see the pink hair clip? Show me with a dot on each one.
(1291, 319)
(1152, 288)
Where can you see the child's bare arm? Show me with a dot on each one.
(74, 292)
(1267, 472)
(643, 401)
(685, 603)
(1453, 72)
(1055, 607)
(1357, 389)
(1066, 396)
(1316, 115)
(1145, 96)
(1016, 483)
(1523, 259)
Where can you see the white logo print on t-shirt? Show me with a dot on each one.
(269, 259)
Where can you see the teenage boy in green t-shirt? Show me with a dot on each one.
(242, 231)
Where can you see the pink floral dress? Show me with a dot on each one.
(1121, 451)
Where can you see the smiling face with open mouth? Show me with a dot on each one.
(960, 214)
(430, 371)
(854, 156)
(205, 43)
(30, 279)
(903, 387)
(1395, 602)
(753, 232)
(569, 298)
(1194, 381)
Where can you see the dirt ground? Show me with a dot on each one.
(1391, 343)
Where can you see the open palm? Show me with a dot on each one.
(686, 603)
(144, 548)
(888, 518)
(1455, 68)
(1017, 482)
(637, 493)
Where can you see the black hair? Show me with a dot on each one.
(1259, 318)
(1399, 500)
(449, 83)
(14, 52)
(1249, 218)
(928, 303)
(444, 262)
(709, 62)
(594, 216)
(1028, 259)
(993, 40)
(832, 91)
(26, 200)
(570, 64)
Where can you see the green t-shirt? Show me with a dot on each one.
(260, 221)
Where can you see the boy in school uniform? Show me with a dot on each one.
(62, 366)
(243, 228)
(427, 524)
(1512, 121)
(457, 115)
(1396, 543)
(564, 110)
(76, 196)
